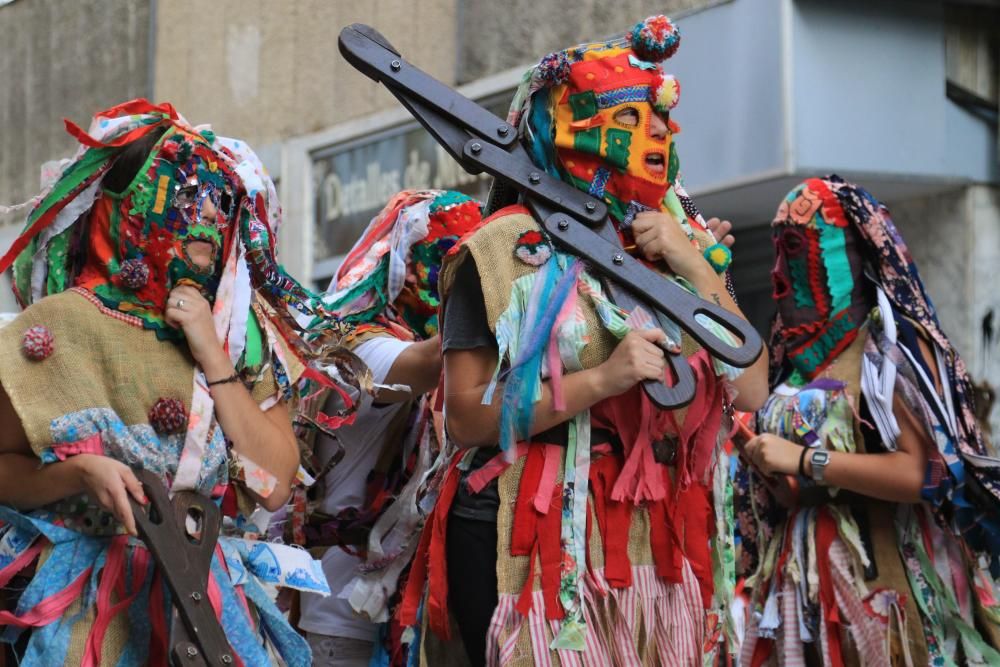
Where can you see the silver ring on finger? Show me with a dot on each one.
(180, 303)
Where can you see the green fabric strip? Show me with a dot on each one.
(840, 282)
(800, 283)
(75, 174)
(58, 262)
(253, 352)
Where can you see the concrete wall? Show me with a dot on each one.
(61, 60)
(266, 70)
(495, 36)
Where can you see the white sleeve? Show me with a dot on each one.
(380, 354)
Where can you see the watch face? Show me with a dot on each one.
(820, 458)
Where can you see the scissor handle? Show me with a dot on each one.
(675, 395)
(185, 561)
(602, 248)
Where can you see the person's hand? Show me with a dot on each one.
(110, 483)
(636, 358)
(188, 310)
(660, 237)
(772, 455)
(720, 230)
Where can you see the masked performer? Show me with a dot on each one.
(889, 555)
(159, 333)
(374, 473)
(584, 525)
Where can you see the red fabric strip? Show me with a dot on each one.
(524, 531)
(665, 543)
(114, 568)
(158, 622)
(696, 512)
(826, 532)
(437, 574)
(523, 606)
(553, 458)
(762, 651)
(663, 538)
(84, 138)
(477, 481)
(22, 561)
(89, 445)
(49, 609)
(833, 212)
(139, 106)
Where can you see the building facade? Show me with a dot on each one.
(899, 95)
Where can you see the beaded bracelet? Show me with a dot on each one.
(235, 377)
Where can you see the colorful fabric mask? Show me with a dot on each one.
(131, 248)
(388, 281)
(605, 126)
(818, 277)
(140, 241)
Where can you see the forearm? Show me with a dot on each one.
(27, 485)
(751, 385)
(252, 433)
(473, 424)
(893, 476)
(418, 367)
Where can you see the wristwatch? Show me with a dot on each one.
(819, 460)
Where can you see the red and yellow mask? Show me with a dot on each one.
(611, 104)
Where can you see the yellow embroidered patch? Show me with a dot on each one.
(161, 194)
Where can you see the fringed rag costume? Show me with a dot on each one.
(91, 366)
(842, 578)
(614, 543)
(387, 286)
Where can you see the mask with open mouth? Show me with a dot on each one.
(170, 226)
(612, 132)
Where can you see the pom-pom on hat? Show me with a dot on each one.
(665, 92)
(655, 39)
(554, 68)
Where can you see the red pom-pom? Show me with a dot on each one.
(168, 416)
(655, 39)
(665, 92)
(38, 343)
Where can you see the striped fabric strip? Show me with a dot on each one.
(791, 642)
(869, 634)
(671, 618)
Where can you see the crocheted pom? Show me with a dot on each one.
(665, 92)
(655, 39)
(553, 69)
(532, 248)
(167, 416)
(134, 274)
(176, 149)
(719, 256)
(208, 136)
(37, 343)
